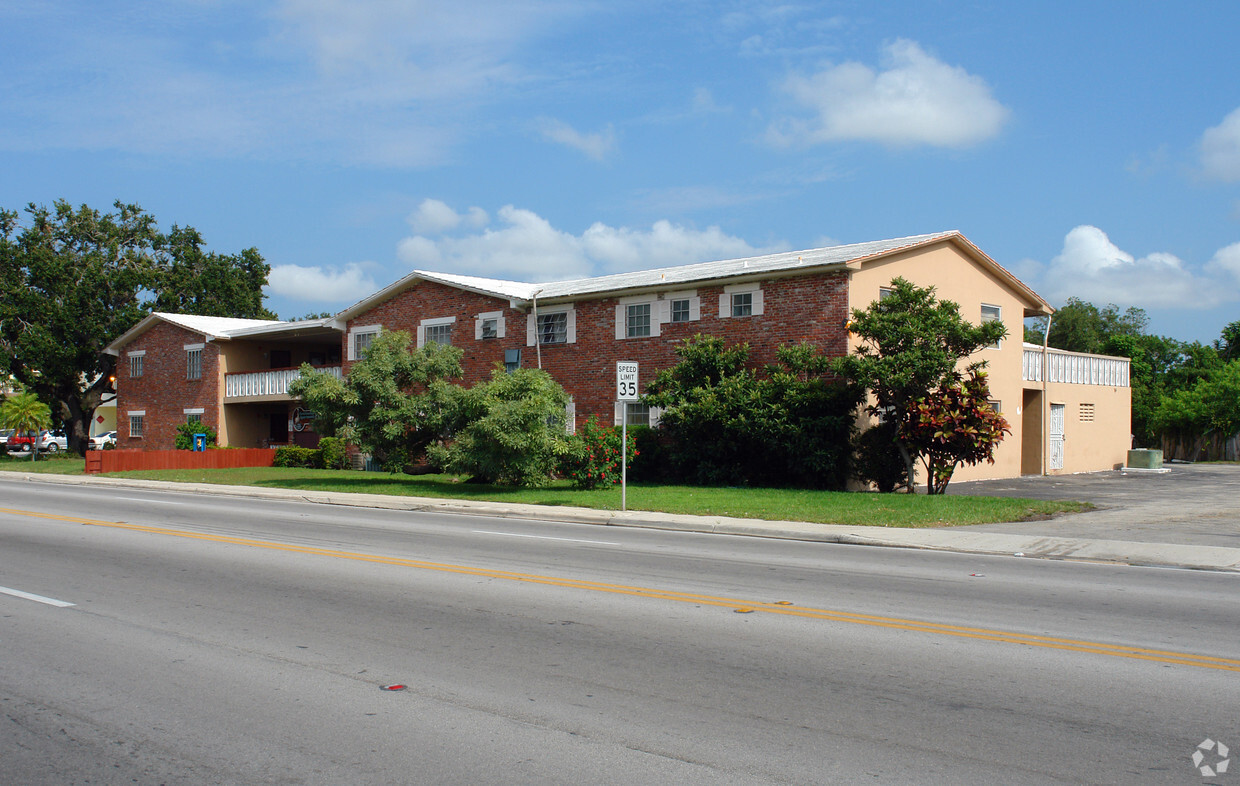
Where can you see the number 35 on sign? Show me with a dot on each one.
(626, 381)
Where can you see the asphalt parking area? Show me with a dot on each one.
(1189, 504)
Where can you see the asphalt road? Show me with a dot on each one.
(222, 640)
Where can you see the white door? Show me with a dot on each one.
(1057, 436)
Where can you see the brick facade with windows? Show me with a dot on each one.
(589, 324)
(163, 393)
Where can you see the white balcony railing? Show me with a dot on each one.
(1075, 368)
(273, 382)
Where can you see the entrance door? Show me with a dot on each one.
(1056, 434)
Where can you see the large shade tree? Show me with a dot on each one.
(911, 347)
(72, 280)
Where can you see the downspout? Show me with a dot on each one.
(1046, 374)
(537, 332)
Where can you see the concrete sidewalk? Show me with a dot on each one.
(1074, 537)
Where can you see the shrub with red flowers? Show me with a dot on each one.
(593, 458)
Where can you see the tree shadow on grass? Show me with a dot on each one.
(439, 489)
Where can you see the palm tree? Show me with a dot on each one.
(25, 412)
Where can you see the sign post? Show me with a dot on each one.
(626, 391)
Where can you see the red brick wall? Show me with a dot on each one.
(162, 390)
(811, 307)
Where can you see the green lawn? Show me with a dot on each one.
(884, 510)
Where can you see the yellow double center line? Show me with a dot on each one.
(776, 607)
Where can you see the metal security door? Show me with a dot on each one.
(1057, 436)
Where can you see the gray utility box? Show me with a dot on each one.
(1145, 459)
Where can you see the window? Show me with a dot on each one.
(135, 363)
(741, 300)
(438, 334)
(489, 325)
(360, 339)
(136, 420)
(997, 406)
(512, 360)
(637, 320)
(1087, 413)
(992, 314)
(884, 293)
(553, 328)
(193, 361)
(680, 310)
(194, 415)
(638, 414)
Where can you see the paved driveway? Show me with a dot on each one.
(1190, 504)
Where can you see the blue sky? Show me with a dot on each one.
(1092, 148)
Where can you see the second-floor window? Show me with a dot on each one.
(553, 328)
(439, 334)
(637, 320)
(135, 364)
(742, 304)
(680, 310)
(193, 363)
(992, 314)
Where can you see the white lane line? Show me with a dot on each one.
(36, 598)
(149, 501)
(544, 537)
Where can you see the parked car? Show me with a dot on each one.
(53, 441)
(21, 442)
(4, 435)
(101, 441)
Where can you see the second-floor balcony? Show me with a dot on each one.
(269, 385)
(1075, 368)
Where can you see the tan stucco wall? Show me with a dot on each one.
(958, 277)
(1090, 446)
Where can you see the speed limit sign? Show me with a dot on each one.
(626, 381)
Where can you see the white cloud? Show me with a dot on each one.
(597, 146)
(1220, 149)
(319, 285)
(435, 217)
(915, 100)
(1094, 269)
(526, 247)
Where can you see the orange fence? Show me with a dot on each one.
(125, 460)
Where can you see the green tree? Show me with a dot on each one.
(1228, 343)
(1083, 327)
(1189, 417)
(395, 402)
(911, 346)
(789, 424)
(25, 413)
(73, 280)
(515, 432)
(954, 425)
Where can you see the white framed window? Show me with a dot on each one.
(680, 310)
(193, 415)
(489, 325)
(193, 361)
(996, 405)
(680, 307)
(992, 314)
(137, 419)
(741, 300)
(360, 339)
(637, 320)
(884, 293)
(136, 362)
(436, 331)
(557, 325)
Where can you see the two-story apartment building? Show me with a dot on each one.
(1068, 412)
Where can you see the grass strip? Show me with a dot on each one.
(826, 507)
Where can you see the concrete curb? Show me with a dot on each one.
(966, 542)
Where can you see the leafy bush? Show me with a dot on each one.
(298, 457)
(515, 432)
(727, 424)
(333, 453)
(593, 457)
(878, 458)
(186, 432)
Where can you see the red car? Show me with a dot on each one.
(21, 442)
